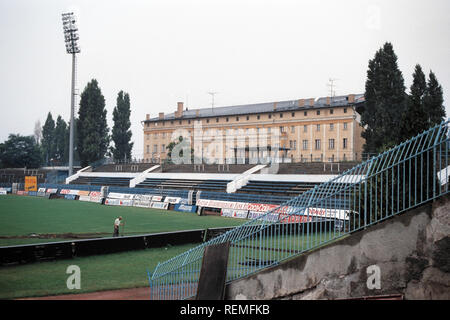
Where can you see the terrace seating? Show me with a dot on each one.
(206, 168)
(315, 167)
(126, 167)
(279, 188)
(211, 185)
(18, 175)
(102, 181)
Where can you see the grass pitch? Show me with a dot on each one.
(25, 215)
(59, 219)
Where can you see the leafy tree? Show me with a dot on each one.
(48, 139)
(20, 151)
(92, 128)
(433, 101)
(121, 133)
(385, 101)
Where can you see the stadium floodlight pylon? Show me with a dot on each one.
(71, 37)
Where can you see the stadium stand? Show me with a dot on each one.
(103, 181)
(211, 184)
(17, 175)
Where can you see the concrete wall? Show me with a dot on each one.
(412, 252)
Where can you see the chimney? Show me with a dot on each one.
(351, 98)
(161, 116)
(147, 116)
(311, 102)
(301, 102)
(274, 106)
(179, 112)
(328, 101)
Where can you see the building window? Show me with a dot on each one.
(331, 144)
(171, 121)
(248, 118)
(163, 148)
(258, 117)
(305, 128)
(292, 129)
(270, 116)
(237, 118)
(331, 126)
(293, 144)
(331, 111)
(226, 119)
(180, 122)
(344, 143)
(317, 144)
(318, 112)
(281, 115)
(269, 130)
(305, 144)
(281, 129)
(293, 114)
(345, 110)
(155, 148)
(305, 113)
(318, 127)
(207, 120)
(345, 125)
(217, 119)
(148, 148)
(189, 121)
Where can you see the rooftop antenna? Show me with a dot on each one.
(212, 93)
(332, 85)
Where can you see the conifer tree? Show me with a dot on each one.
(385, 101)
(434, 100)
(92, 128)
(121, 133)
(48, 139)
(415, 118)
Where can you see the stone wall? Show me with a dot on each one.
(411, 253)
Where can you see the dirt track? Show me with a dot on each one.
(123, 294)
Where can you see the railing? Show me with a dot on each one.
(397, 180)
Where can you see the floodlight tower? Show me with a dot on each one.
(71, 37)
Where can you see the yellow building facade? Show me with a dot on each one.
(304, 130)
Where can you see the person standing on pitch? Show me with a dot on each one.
(117, 224)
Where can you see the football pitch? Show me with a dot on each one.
(23, 217)
(27, 219)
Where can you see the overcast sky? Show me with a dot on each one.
(162, 52)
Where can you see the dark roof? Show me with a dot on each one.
(289, 105)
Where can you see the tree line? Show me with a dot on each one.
(92, 140)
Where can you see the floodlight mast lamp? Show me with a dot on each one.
(71, 38)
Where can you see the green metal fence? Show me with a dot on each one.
(397, 180)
